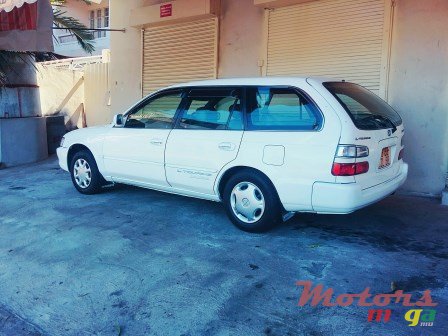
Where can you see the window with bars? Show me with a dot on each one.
(106, 17)
(92, 19)
(99, 19)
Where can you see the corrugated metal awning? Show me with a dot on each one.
(26, 25)
(9, 5)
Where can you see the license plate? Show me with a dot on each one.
(385, 158)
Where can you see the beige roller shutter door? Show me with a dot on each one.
(336, 38)
(179, 53)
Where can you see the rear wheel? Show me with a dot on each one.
(251, 202)
(84, 172)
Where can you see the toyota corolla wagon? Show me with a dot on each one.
(265, 147)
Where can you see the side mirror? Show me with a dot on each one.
(118, 120)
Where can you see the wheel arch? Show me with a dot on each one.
(236, 169)
(75, 148)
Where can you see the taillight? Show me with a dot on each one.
(351, 151)
(349, 169)
(400, 155)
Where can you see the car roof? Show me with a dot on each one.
(254, 81)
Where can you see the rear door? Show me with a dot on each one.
(288, 139)
(377, 126)
(207, 136)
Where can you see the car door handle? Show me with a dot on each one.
(157, 142)
(227, 146)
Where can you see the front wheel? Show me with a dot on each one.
(251, 202)
(85, 175)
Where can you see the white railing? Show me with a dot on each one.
(66, 38)
(74, 63)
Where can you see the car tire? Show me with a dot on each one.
(251, 201)
(85, 174)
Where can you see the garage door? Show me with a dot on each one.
(336, 38)
(179, 53)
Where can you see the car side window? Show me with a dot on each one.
(158, 113)
(272, 108)
(213, 109)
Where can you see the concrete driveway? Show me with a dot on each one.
(138, 262)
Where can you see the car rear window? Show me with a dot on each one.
(367, 110)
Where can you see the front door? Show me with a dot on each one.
(135, 153)
(207, 137)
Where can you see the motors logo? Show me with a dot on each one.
(422, 317)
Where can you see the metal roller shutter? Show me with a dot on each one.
(334, 38)
(179, 53)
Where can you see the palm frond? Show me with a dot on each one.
(8, 63)
(9, 59)
(84, 37)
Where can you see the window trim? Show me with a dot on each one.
(244, 106)
(106, 16)
(147, 100)
(187, 89)
(298, 91)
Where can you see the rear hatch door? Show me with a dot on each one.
(384, 148)
(374, 124)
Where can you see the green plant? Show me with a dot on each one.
(61, 20)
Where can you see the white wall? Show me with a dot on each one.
(97, 94)
(126, 57)
(61, 92)
(419, 89)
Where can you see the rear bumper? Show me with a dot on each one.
(340, 198)
(62, 157)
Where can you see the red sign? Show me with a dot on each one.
(166, 10)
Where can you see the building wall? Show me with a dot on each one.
(20, 101)
(241, 39)
(22, 140)
(419, 89)
(81, 11)
(418, 77)
(97, 94)
(126, 57)
(61, 93)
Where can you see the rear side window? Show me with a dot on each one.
(367, 110)
(214, 109)
(273, 108)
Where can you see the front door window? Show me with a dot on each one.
(158, 113)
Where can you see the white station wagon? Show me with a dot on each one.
(265, 147)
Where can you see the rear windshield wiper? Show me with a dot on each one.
(382, 118)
